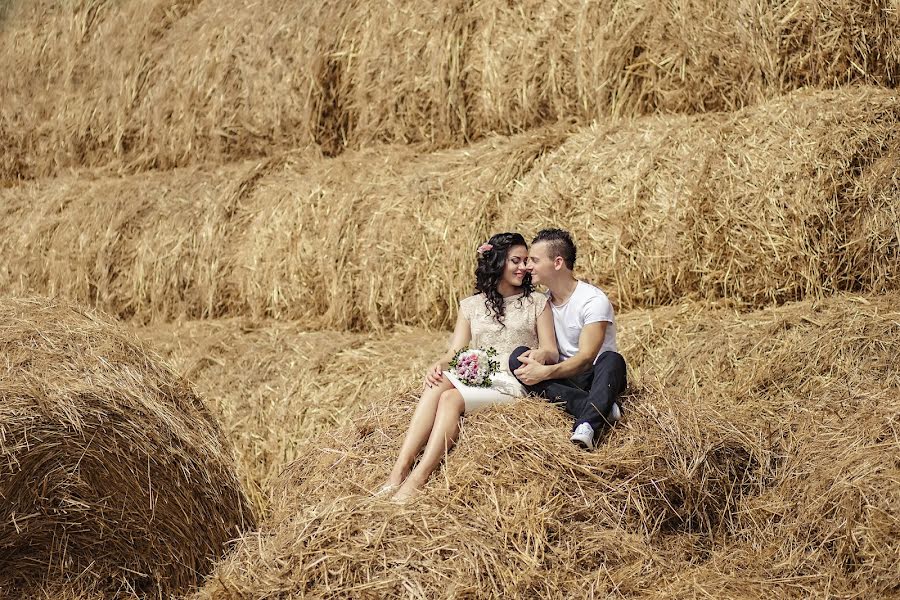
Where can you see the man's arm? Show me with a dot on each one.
(589, 343)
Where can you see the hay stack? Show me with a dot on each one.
(113, 472)
(776, 473)
(790, 199)
(363, 241)
(144, 85)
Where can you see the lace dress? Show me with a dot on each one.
(520, 320)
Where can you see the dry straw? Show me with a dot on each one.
(113, 474)
(363, 241)
(757, 456)
(139, 85)
(790, 199)
(273, 386)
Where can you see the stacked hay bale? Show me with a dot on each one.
(363, 241)
(144, 85)
(113, 475)
(788, 199)
(759, 454)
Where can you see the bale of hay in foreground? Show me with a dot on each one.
(112, 471)
(787, 488)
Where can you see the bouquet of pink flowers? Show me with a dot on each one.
(474, 367)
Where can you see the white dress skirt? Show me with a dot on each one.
(505, 388)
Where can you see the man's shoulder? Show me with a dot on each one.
(586, 291)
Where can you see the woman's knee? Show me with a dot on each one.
(452, 400)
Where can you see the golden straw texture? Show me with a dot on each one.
(758, 455)
(112, 471)
(790, 199)
(134, 85)
(367, 240)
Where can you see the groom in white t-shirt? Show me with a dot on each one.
(590, 373)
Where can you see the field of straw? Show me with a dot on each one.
(233, 235)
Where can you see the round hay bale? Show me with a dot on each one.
(777, 474)
(111, 468)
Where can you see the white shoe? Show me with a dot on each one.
(584, 436)
(615, 413)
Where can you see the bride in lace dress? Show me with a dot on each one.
(504, 314)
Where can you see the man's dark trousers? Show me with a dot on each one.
(587, 396)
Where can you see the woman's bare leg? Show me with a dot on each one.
(443, 436)
(419, 429)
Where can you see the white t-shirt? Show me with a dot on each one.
(587, 304)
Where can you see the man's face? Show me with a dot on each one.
(540, 265)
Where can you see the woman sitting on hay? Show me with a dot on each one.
(501, 316)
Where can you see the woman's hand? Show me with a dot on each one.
(435, 374)
(544, 357)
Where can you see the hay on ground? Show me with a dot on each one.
(113, 474)
(167, 83)
(273, 386)
(758, 455)
(790, 199)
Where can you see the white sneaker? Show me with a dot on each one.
(615, 413)
(584, 436)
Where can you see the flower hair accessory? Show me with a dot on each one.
(485, 248)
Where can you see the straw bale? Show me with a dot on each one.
(114, 475)
(758, 456)
(361, 241)
(139, 85)
(789, 199)
(379, 237)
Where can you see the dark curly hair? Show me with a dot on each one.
(489, 272)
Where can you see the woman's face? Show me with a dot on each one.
(515, 270)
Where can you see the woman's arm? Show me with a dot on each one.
(462, 335)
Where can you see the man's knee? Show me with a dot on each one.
(610, 369)
(514, 362)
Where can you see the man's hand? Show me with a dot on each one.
(531, 371)
(434, 375)
(537, 355)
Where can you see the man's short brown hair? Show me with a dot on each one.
(560, 244)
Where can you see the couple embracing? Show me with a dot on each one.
(560, 346)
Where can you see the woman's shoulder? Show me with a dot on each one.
(469, 303)
(535, 299)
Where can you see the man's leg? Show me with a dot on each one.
(570, 394)
(609, 380)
